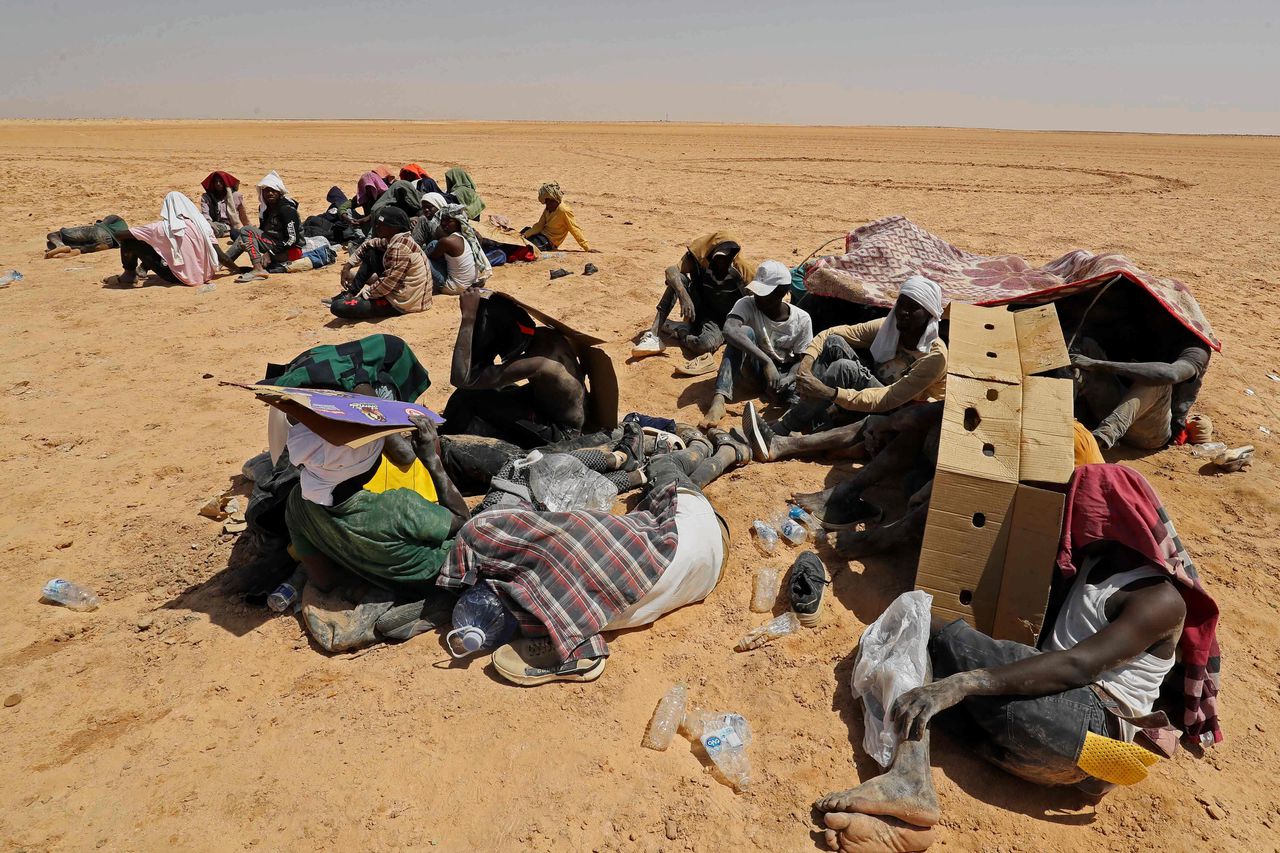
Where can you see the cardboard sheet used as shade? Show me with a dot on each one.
(991, 538)
(339, 417)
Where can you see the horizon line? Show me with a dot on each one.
(691, 123)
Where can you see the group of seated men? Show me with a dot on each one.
(1131, 616)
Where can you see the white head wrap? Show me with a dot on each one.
(182, 220)
(928, 296)
(435, 200)
(271, 181)
(325, 465)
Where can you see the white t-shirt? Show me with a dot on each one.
(783, 341)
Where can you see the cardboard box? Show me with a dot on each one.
(1004, 459)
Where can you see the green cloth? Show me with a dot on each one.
(383, 361)
(459, 184)
(403, 195)
(397, 539)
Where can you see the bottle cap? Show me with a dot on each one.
(464, 641)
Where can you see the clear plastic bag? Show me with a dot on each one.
(893, 657)
(561, 483)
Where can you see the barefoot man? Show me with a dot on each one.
(1133, 598)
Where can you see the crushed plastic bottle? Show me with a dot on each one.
(764, 591)
(726, 737)
(9, 278)
(766, 538)
(286, 595)
(561, 483)
(666, 718)
(480, 621)
(783, 626)
(1209, 450)
(70, 595)
(207, 288)
(800, 514)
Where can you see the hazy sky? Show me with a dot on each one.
(1156, 65)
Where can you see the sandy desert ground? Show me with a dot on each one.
(173, 718)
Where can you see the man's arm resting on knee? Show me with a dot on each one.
(1144, 372)
(1147, 616)
(735, 332)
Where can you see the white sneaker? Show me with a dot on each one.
(647, 345)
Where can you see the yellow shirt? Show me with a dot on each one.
(910, 374)
(557, 224)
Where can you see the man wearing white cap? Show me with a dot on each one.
(765, 340)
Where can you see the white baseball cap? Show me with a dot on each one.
(770, 275)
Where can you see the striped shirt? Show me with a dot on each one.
(405, 281)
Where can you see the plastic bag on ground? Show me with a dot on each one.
(561, 483)
(893, 657)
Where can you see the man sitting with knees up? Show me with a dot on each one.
(387, 275)
(1083, 704)
(765, 339)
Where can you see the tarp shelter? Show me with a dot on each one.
(883, 254)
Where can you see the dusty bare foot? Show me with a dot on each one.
(859, 833)
(814, 503)
(715, 413)
(908, 796)
(864, 543)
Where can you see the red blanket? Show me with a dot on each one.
(881, 255)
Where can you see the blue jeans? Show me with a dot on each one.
(742, 376)
(439, 269)
(837, 366)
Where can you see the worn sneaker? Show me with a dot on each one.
(806, 585)
(758, 434)
(533, 661)
(632, 444)
(649, 344)
(699, 366)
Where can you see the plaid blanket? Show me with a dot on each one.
(567, 573)
(1115, 503)
(881, 255)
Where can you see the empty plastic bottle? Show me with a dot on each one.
(766, 538)
(666, 718)
(561, 483)
(793, 531)
(764, 592)
(9, 277)
(784, 625)
(726, 737)
(480, 621)
(207, 288)
(70, 595)
(287, 594)
(800, 514)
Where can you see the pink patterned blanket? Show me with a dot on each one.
(881, 255)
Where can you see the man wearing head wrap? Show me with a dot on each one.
(556, 222)
(279, 233)
(222, 205)
(710, 279)
(386, 275)
(457, 259)
(180, 247)
(459, 184)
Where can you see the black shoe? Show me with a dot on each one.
(590, 269)
(758, 434)
(806, 585)
(555, 274)
(632, 444)
(720, 438)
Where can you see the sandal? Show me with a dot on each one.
(722, 438)
(245, 278)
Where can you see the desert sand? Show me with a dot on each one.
(174, 718)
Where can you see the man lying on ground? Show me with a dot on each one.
(457, 259)
(387, 275)
(533, 395)
(765, 339)
(556, 222)
(222, 205)
(278, 233)
(710, 279)
(567, 577)
(905, 362)
(1134, 601)
(85, 239)
(1140, 402)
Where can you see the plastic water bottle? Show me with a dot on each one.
(561, 483)
(726, 737)
(480, 621)
(783, 626)
(9, 277)
(287, 594)
(766, 538)
(666, 718)
(793, 531)
(70, 595)
(765, 590)
(800, 514)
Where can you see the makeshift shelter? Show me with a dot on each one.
(881, 255)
